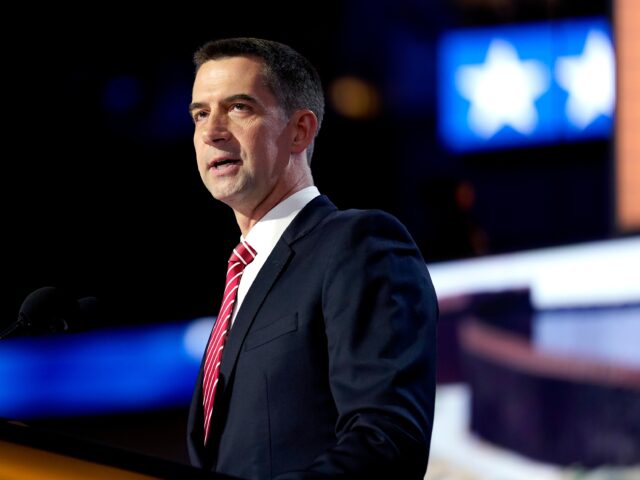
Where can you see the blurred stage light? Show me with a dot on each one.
(589, 79)
(354, 98)
(526, 84)
(502, 91)
(100, 372)
(583, 275)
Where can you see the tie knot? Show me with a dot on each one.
(243, 253)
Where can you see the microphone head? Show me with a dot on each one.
(51, 310)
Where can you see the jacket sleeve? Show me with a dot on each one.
(380, 313)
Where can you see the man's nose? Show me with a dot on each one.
(216, 130)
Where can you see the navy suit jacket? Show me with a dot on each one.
(329, 369)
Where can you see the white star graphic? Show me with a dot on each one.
(590, 80)
(502, 90)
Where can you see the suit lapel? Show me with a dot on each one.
(254, 298)
(305, 221)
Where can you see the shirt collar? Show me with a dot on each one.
(264, 235)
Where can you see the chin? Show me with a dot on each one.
(221, 197)
(226, 197)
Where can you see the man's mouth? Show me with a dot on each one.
(221, 163)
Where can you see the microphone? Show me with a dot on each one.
(52, 310)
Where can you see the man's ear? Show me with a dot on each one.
(305, 125)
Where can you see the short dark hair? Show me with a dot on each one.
(291, 77)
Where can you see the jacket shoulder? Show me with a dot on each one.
(365, 222)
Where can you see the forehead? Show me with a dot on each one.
(229, 76)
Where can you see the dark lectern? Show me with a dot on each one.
(29, 452)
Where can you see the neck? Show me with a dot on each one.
(246, 220)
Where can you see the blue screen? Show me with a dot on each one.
(526, 84)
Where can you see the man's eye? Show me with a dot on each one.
(240, 107)
(199, 115)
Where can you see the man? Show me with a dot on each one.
(327, 365)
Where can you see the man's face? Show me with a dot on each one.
(242, 135)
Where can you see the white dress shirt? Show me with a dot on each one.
(264, 235)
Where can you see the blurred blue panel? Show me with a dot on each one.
(105, 371)
(122, 94)
(410, 73)
(525, 84)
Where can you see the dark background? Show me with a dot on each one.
(101, 192)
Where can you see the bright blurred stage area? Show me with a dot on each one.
(539, 365)
(559, 324)
(458, 454)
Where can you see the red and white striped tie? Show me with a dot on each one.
(242, 256)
